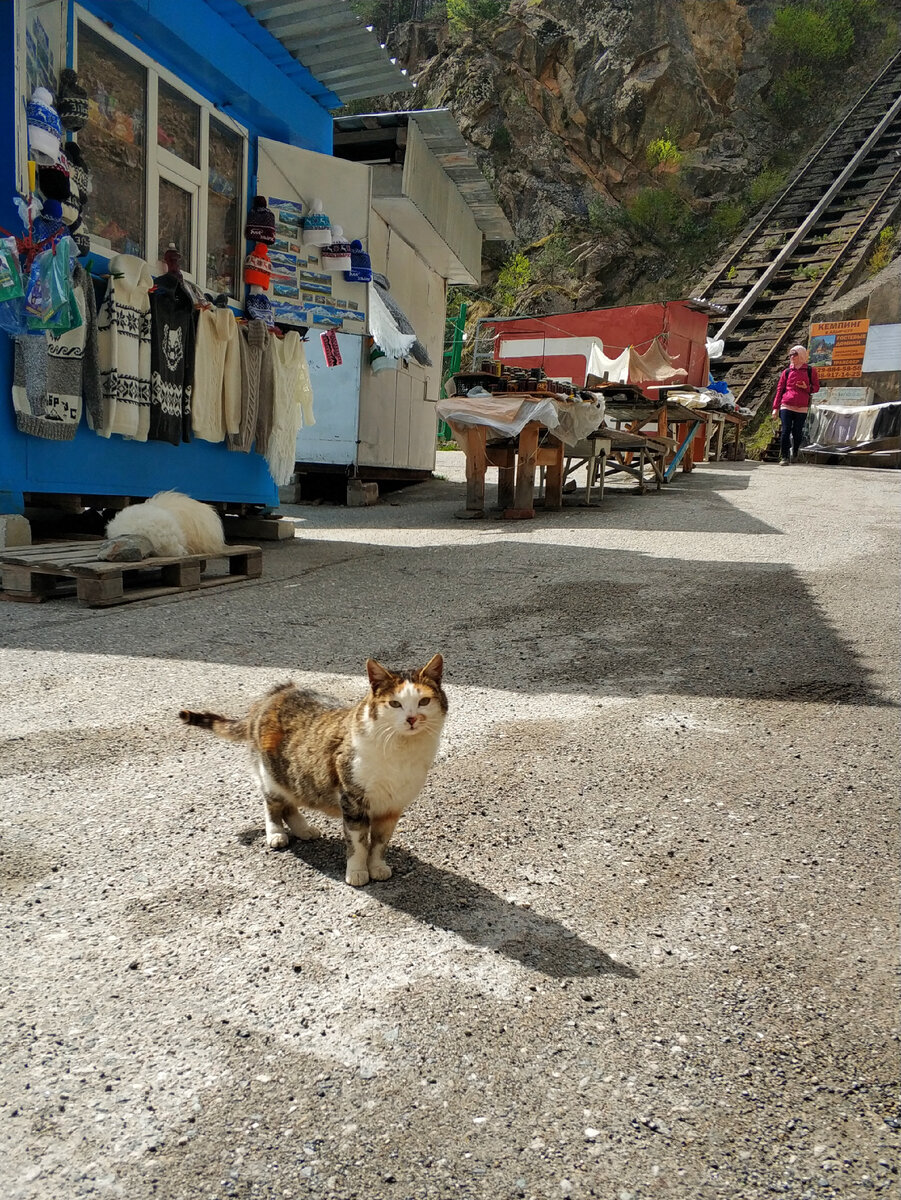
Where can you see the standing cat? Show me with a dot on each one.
(364, 763)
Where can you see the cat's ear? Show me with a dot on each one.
(433, 669)
(379, 676)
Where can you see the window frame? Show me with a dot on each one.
(160, 163)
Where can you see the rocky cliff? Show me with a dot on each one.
(564, 102)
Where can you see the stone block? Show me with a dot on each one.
(14, 531)
(360, 493)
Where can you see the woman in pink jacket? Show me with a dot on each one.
(797, 383)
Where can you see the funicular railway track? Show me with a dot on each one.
(809, 240)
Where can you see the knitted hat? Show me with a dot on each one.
(44, 129)
(336, 256)
(260, 225)
(70, 212)
(53, 180)
(49, 225)
(256, 266)
(801, 352)
(360, 264)
(316, 227)
(79, 234)
(172, 259)
(259, 307)
(72, 101)
(79, 175)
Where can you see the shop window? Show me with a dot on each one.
(176, 220)
(224, 225)
(178, 124)
(183, 183)
(113, 141)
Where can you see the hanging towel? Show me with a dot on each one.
(599, 365)
(123, 325)
(655, 364)
(216, 400)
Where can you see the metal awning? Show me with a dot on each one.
(334, 45)
(443, 138)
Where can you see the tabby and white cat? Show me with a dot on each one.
(364, 763)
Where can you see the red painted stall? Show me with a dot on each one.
(680, 326)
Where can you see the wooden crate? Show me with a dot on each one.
(35, 573)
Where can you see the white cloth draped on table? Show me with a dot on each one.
(509, 415)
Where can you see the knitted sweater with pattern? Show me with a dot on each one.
(52, 372)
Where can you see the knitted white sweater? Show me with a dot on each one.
(216, 400)
(123, 326)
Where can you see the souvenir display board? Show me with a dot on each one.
(303, 291)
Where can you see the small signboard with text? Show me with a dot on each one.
(837, 348)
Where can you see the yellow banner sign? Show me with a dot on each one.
(836, 348)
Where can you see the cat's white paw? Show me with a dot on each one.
(379, 870)
(309, 833)
(357, 877)
(277, 841)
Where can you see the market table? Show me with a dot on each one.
(516, 432)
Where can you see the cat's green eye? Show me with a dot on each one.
(394, 703)
(424, 701)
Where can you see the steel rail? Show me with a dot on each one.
(820, 283)
(802, 177)
(809, 222)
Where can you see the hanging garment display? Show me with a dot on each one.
(317, 229)
(654, 364)
(216, 400)
(401, 329)
(260, 225)
(292, 398)
(45, 131)
(52, 372)
(124, 337)
(171, 361)
(336, 255)
(257, 385)
(360, 264)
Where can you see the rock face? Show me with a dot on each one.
(565, 97)
(560, 100)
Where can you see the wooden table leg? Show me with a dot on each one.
(476, 462)
(524, 490)
(718, 453)
(553, 476)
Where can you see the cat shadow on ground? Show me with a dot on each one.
(446, 900)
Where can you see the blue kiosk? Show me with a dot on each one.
(179, 95)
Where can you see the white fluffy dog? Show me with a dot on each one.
(175, 525)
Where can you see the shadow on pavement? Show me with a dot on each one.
(452, 902)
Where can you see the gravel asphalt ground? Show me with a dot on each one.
(642, 936)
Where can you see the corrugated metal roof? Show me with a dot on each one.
(443, 138)
(334, 45)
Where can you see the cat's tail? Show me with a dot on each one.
(234, 729)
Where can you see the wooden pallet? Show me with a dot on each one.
(35, 573)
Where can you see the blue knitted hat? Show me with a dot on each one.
(259, 307)
(360, 264)
(317, 229)
(44, 129)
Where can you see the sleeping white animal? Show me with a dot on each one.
(173, 523)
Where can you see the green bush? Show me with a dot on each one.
(727, 218)
(465, 15)
(663, 152)
(604, 217)
(660, 214)
(766, 186)
(883, 251)
(513, 278)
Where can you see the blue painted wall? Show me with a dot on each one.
(216, 48)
